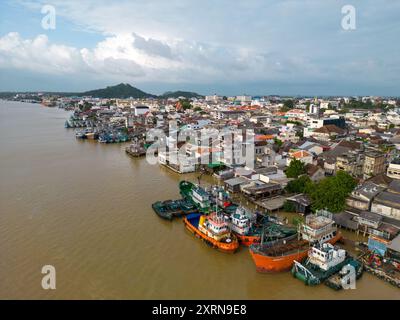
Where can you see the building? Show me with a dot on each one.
(141, 110)
(326, 132)
(387, 203)
(374, 164)
(393, 170)
(315, 172)
(302, 155)
(301, 203)
(351, 162)
(363, 195)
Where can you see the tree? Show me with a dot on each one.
(185, 104)
(277, 144)
(295, 169)
(331, 192)
(289, 104)
(299, 185)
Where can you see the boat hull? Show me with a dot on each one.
(221, 246)
(248, 240)
(266, 264)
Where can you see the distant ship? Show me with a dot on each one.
(280, 255)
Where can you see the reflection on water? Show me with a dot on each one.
(85, 208)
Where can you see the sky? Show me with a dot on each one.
(256, 47)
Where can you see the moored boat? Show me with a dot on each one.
(279, 255)
(167, 209)
(324, 261)
(213, 230)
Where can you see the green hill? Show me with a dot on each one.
(121, 91)
(177, 94)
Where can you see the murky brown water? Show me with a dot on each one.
(84, 207)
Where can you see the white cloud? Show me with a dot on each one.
(135, 57)
(199, 42)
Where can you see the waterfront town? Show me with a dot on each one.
(332, 162)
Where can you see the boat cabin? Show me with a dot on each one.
(325, 256)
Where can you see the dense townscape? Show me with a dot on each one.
(333, 158)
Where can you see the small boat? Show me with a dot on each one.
(135, 150)
(325, 261)
(67, 125)
(213, 230)
(167, 209)
(187, 207)
(279, 255)
(80, 135)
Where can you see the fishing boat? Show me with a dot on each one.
(187, 207)
(80, 135)
(250, 230)
(242, 223)
(135, 149)
(213, 230)
(196, 194)
(279, 255)
(323, 262)
(167, 209)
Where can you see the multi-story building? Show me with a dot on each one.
(351, 162)
(374, 163)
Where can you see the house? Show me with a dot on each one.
(301, 202)
(351, 162)
(315, 172)
(328, 132)
(233, 185)
(362, 196)
(259, 190)
(302, 155)
(387, 203)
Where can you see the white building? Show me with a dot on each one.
(141, 110)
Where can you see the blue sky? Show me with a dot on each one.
(287, 47)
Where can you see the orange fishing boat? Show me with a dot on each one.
(280, 255)
(213, 230)
(242, 222)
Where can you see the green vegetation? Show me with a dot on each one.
(300, 185)
(288, 104)
(331, 192)
(121, 91)
(277, 144)
(297, 220)
(178, 94)
(289, 207)
(297, 123)
(197, 109)
(185, 104)
(86, 106)
(295, 169)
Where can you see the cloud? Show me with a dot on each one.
(288, 42)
